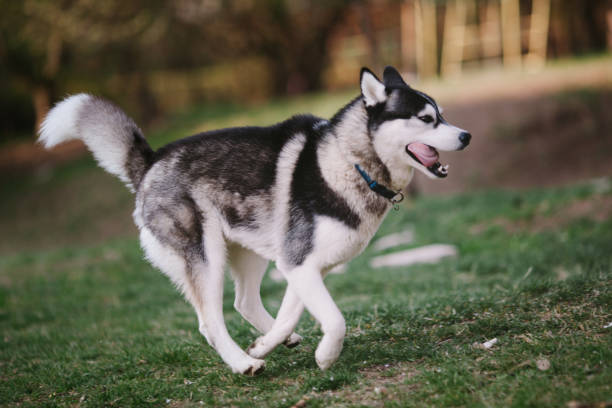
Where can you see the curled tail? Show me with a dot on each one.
(114, 139)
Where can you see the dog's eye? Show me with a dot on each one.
(426, 118)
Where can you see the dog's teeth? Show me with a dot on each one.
(443, 169)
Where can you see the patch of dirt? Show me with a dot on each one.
(579, 404)
(596, 208)
(379, 384)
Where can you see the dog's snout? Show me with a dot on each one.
(464, 138)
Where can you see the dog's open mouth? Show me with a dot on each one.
(428, 157)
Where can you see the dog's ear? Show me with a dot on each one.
(372, 89)
(392, 78)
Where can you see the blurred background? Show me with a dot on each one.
(530, 79)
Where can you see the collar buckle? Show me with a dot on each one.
(397, 198)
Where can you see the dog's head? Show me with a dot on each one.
(407, 126)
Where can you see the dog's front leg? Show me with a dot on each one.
(308, 284)
(305, 287)
(286, 319)
(248, 269)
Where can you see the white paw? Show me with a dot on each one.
(293, 340)
(328, 352)
(324, 362)
(258, 349)
(250, 367)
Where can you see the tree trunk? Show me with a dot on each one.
(299, 59)
(41, 98)
(41, 95)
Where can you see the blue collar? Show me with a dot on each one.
(394, 196)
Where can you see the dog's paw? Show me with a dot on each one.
(248, 365)
(255, 368)
(325, 363)
(328, 352)
(293, 340)
(258, 349)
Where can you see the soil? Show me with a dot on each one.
(380, 385)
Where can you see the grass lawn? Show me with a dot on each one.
(98, 326)
(85, 321)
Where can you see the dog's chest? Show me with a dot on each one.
(336, 243)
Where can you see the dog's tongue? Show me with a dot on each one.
(426, 154)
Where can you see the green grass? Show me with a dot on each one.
(98, 326)
(92, 324)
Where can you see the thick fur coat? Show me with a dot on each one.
(289, 193)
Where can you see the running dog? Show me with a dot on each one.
(307, 193)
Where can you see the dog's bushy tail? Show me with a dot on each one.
(114, 139)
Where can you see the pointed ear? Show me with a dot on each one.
(372, 89)
(393, 78)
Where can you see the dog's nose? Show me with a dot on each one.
(464, 138)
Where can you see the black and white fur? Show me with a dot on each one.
(241, 197)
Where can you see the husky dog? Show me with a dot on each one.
(306, 193)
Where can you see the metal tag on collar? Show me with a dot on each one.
(396, 199)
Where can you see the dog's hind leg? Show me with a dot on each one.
(210, 312)
(248, 269)
(200, 277)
